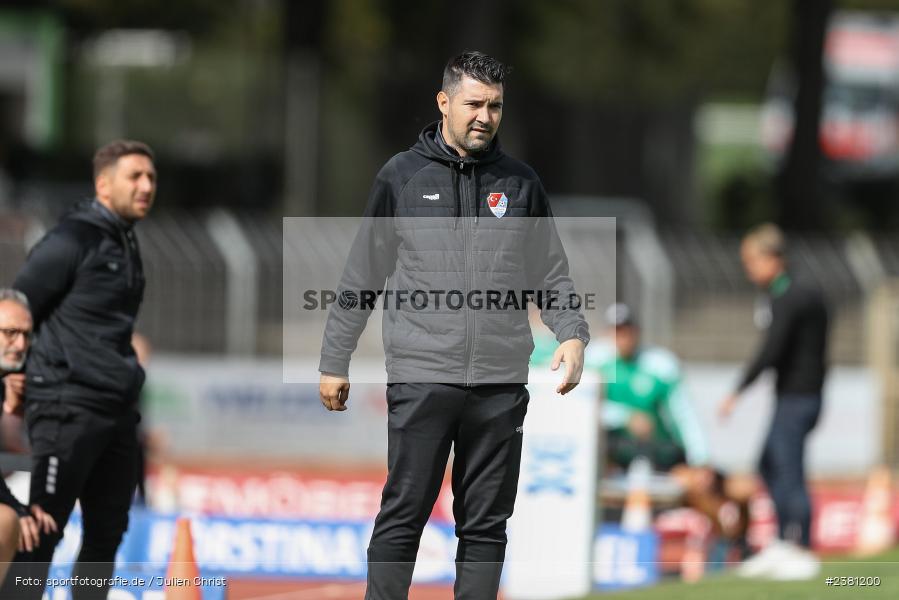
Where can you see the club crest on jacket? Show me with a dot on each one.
(498, 204)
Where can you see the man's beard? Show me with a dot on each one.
(475, 150)
(10, 366)
(469, 145)
(476, 146)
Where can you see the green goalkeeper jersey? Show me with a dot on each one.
(633, 387)
(651, 383)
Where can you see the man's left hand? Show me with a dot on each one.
(570, 352)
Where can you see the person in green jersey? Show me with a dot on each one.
(645, 407)
(646, 411)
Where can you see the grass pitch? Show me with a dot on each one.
(726, 586)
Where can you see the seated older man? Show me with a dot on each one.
(19, 525)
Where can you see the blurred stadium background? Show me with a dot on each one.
(687, 120)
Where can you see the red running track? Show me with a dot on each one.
(247, 589)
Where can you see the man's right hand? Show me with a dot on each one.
(31, 526)
(334, 391)
(640, 426)
(14, 399)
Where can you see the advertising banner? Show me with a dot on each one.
(258, 548)
(280, 494)
(624, 559)
(550, 533)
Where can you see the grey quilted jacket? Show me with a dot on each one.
(452, 248)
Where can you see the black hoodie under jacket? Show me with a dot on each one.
(84, 281)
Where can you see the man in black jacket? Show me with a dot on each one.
(795, 347)
(464, 234)
(84, 281)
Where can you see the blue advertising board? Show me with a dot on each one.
(623, 559)
(295, 549)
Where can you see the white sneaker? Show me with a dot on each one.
(795, 564)
(763, 562)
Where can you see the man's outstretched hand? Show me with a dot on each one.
(334, 391)
(570, 352)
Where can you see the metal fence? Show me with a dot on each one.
(214, 280)
(184, 303)
(714, 303)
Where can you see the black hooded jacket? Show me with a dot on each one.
(84, 281)
(435, 222)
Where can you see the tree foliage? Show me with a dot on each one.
(652, 51)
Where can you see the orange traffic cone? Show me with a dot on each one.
(876, 532)
(182, 577)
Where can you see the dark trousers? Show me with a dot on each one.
(78, 454)
(782, 464)
(483, 425)
(622, 448)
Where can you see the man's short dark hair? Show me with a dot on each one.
(476, 65)
(110, 153)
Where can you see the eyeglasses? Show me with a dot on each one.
(10, 334)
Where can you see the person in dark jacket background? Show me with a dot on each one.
(454, 214)
(795, 345)
(84, 281)
(20, 525)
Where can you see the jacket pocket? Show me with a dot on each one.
(44, 420)
(47, 363)
(103, 369)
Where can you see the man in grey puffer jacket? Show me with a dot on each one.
(463, 236)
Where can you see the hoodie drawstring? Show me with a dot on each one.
(457, 196)
(129, 268)
(126, 236)
(477, 201)
(474, 204)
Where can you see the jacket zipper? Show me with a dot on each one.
(466, 230)
(129, 266)
(472, 188)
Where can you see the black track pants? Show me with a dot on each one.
(78, 454)
(483, 425)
